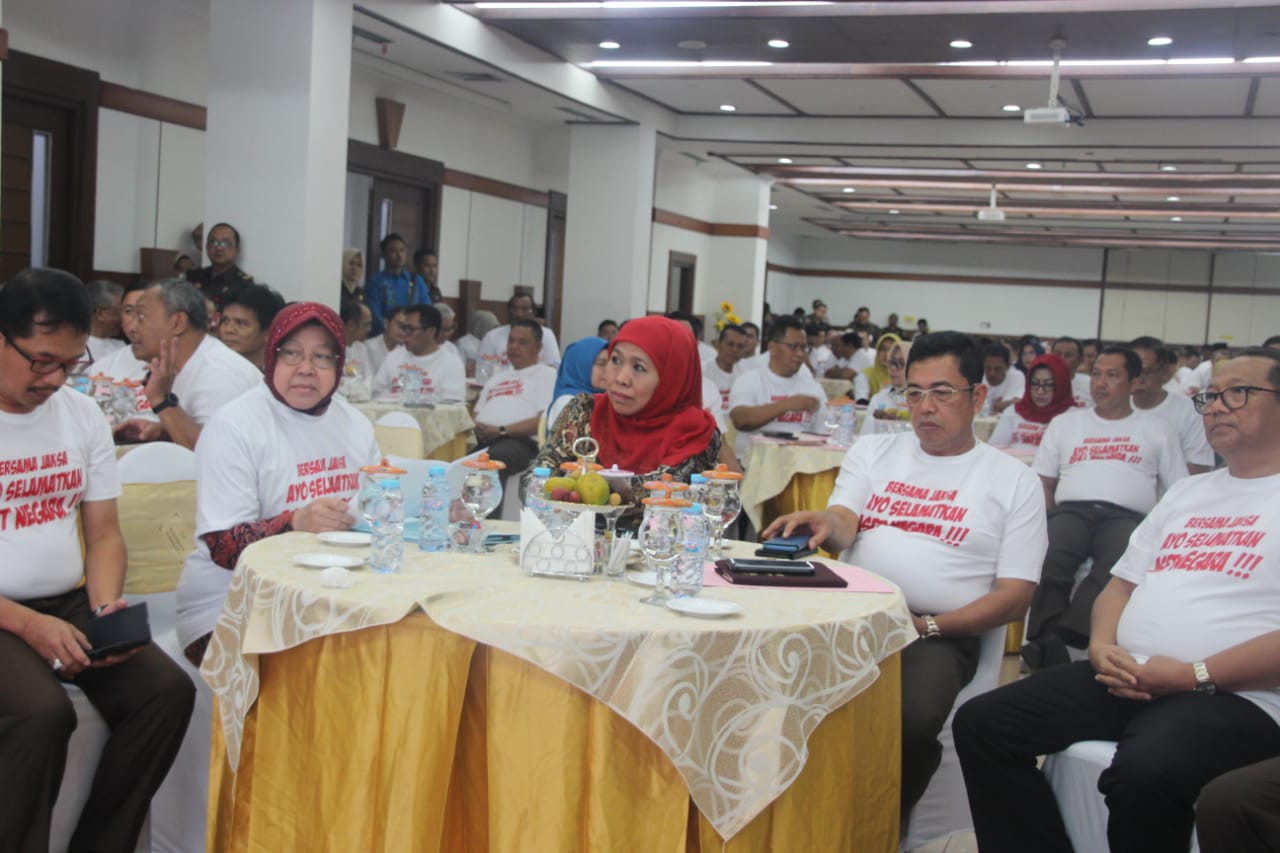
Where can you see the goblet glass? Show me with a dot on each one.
(660, 543)
(481, 493)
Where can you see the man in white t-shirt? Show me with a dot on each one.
(782, 394)
(122, 365)
(719, 370)
(1184, 661)
(63, 568)
(1004, 386)
(512, 401)
(844, 348)
(448, 328)
(377, 347)
(104, 328)
(957, 524)
(1068, 349)
(820, 355)
(493, 347)
(1150, 395)
(191, 373)
(1103, 469)
(440, 376)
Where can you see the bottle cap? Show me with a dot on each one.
(697, 479)
(541, 471)
(437, 471)
(392, 483)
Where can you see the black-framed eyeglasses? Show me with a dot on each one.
(1235, 397)
(319, 360)
(944, 394)
(1042, 386)
(45, 366)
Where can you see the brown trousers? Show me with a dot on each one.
(146, 701)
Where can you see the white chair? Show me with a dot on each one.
(943, 810)
(398, 433)
(1073, 776)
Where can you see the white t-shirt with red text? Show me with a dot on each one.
(122, 365)
(1207, 576)
(1130, 461)
(1012, 388)
(1180, 413)
(721, 379)
(213, 376)
(51, 460)
(1016, 433)
(943, 528)
(516, 395)
(493, 346)
(441, 375)
(256, 459)
(763, 386)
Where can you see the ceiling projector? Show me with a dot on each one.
(990, 214)
(1046, 115)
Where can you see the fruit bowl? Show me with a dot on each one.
(605, 510)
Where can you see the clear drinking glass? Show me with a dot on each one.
(660, 540)
(481, 495)
(721, 508)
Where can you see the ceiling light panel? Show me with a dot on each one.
(1193, 96)
(693, 95)
(964, 98)
(849, 97)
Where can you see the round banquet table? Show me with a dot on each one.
(464, 706)
(446, 427)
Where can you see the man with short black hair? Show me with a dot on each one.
(1004, 386)
(395, 285)
(719, 370)
(246, 321)
(378, 346)
(356, 323)
(844, 348)
(64, 566)
(1103, 469)
(819, 315)
(752, 346)
(493, 347)
(606, 329)
(1151, 394)
(1273, 342)
(957, 524)
(694, 325)
(1089, 350)
(438, 375)
(1068, 349)
(862, 323)
(782, 394)
(104, 326)
(513, 401)
(222, 276)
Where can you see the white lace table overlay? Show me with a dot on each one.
(731, 702)
(771, 464)
(439, 424)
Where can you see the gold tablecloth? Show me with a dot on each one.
(446, 428)
(783, 477)
(730, 704)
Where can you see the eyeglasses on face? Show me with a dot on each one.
(293, 356)
(221, 244)
(45, 366)
(944, 394)
(1235, 397)
(1042, 386)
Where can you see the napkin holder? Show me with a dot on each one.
(569, 555)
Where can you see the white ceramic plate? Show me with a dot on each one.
(643, 578)
(707, 608)
(325, 561)
(345, 537)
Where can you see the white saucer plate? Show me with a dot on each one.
(345, 537)
(325, 561)
(706, 608)
(643, 578)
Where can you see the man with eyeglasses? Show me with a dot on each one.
(439, 375)
(190, 374)
(957, 524)
(1151, 394)
(780, 395)
(222, 275)
(1184, 661)
(58, 468)
(1103, 469)
(493, 347)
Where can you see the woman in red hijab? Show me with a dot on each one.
(1047, 395)
(283, 456)
(650, 419)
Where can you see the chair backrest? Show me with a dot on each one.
(157, 510)
(398, 419)
(399, 441)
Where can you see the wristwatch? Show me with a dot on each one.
(169, 401)
(1204, 684)
(931, 629)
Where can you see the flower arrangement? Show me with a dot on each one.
(726, 316)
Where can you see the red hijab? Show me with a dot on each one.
(290, 319)
(1062, 397)
(672, 426)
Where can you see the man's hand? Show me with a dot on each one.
(137, 431)
(56, 640)
(1117, 670)
(164, 370)
(323, 515)
(801, 403)
(819, 524)
(486, 433)
(1162, 675)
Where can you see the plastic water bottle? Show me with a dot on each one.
(387, 553)
(844, 427)
(535, 498)
(686, 579)
(697, 489)
(433, 528)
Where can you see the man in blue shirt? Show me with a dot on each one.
(395, 286)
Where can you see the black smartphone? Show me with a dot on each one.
(785, 436)
(770, 567)
(786, 547)
(118, 632)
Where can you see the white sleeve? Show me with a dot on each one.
(226, 478)
(1144, 543)
(489, 345)
(550, 348)
(1026, 534)
(745, 391)
(382, 380)
(1002, 435)
(1017, 386)
(1048, 461)
(868, 426)
(1173, 464)
(102, 472)
(861, 387)
(853, 483)
(453, 381)
(1195, 444)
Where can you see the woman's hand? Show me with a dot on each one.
(323, 515)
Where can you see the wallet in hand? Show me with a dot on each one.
(118, 632)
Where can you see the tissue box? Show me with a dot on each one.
(570, 556)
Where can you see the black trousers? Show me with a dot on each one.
(1077, 531)
(1239, 812)
(146, 701)
(1169, 748)
(933, 674)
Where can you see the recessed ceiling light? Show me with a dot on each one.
(727, 108)
(784, 160)
(1173, 198)
(773, 207)
(779, 43)
(610, 45)
(961, 44)
(1159, 41)
(894, 211)
(848, 190)
(1168, 168)
(1011, 108)
(1033, 166)
(691, 44)
(1175, 218)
